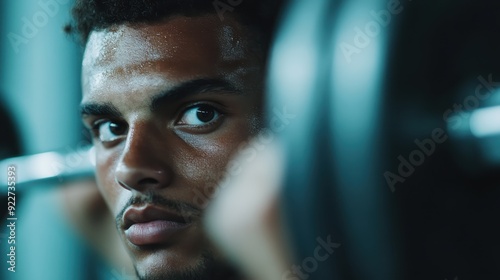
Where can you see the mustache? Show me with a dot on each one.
(188, 211)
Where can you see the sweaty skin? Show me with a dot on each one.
(168, 103)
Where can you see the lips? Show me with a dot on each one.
(149, 225)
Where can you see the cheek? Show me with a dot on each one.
(207, 167)
(105, 166)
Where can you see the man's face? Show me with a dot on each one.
(168, 103)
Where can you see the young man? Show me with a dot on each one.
(170, 91)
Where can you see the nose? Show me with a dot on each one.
(141, 166)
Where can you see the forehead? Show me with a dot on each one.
(152, 40)
(176, 48)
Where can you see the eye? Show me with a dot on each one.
(108, 131)
(200, 115)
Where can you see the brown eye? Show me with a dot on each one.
(199, 115)
(116, 129)
(109, 131)
(205, 113)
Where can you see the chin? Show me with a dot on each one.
(163, 264)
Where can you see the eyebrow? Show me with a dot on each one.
(193, 87)
(97, 109)
(183, 90)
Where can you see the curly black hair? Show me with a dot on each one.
(89, 15)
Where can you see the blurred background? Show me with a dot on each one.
(40, 74)
(417, 81)
(40, 93)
